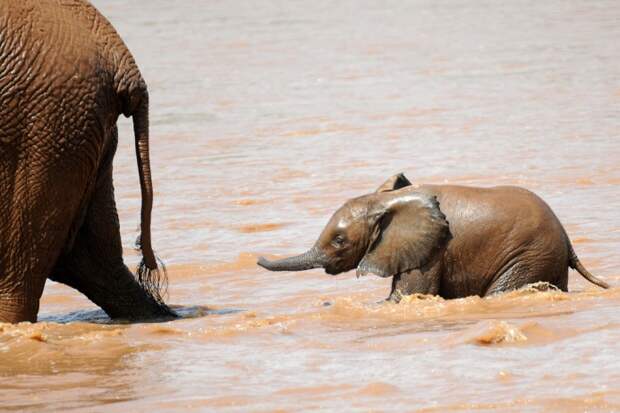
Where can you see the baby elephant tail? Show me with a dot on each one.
(575, 264)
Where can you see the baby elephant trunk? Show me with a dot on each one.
(306, 261)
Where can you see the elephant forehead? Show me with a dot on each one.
(348, 214)
(343, 223)
(338, 222)
(350, 221)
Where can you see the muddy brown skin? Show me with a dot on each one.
(447, 240)
(65, 77)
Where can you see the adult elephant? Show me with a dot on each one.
(447, 240)
(65, 77)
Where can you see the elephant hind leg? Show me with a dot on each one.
(94, 264)
(17, 309)
(22, 277)
(523, 273)
(29, 236)
(114, 289)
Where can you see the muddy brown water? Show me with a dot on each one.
(266, 116)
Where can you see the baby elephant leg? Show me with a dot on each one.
(530, 273)
(414, 282)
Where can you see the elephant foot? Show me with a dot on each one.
(136, 305)
(395, 297)
(117, 292)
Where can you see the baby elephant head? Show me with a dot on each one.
(391, 231)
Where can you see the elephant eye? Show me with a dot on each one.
(338, 241)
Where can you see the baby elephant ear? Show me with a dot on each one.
(410, 228)
(393, 183)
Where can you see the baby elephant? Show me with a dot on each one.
(447, 240)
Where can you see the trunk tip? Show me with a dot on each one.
(262, 262)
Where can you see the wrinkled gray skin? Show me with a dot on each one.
(446, 240)
(65, 77)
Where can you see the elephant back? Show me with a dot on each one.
(53, 77)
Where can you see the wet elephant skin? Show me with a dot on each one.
(65, 77)
(447, 240)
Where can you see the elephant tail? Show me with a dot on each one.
(575, 264)
(148, 273)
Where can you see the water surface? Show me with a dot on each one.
(266, 116)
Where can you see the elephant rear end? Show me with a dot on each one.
(503, 238)
(48, 86)
(65, 77)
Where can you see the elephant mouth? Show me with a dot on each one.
(332, 271)
(338, 266)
